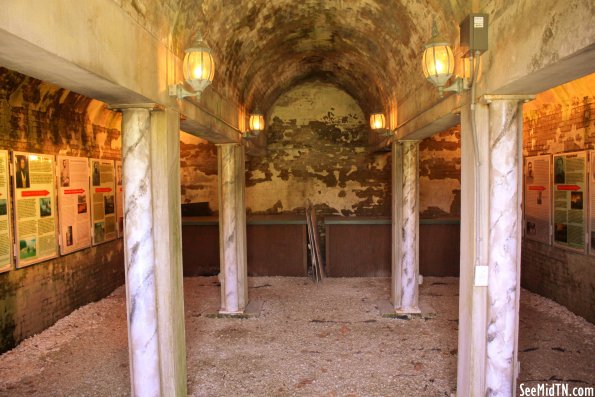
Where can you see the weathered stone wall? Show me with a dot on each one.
(440, 175)
(560, 120)
(198, 168)
(317, 151)
(43, 118)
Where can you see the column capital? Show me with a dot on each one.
(118, 107)
(229, 143)
(488, 98)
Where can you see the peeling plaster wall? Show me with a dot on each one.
(561, 120)
(322, 154)
(317, 138)
(440, 175)
(40, 117)
(198, 168)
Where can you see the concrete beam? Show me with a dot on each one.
(78, 46)
(557, 46)
(442, 116)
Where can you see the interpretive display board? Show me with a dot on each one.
(35, 208)
(73, 203)
(5, 217)
(570, 199)
(103, 201)
(119, 199)
(537, 203)
(592, 203)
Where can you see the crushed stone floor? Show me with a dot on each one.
(310, 340)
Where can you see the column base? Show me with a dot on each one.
(252, 310)
(387, 310)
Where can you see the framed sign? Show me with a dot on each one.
(103, 201)
(570, 200)
(592, 202)
(73, 203)
(5, 215)
(537, 201)
(119, 199)
(35, 208)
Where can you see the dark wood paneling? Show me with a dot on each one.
(277, 250)
(358, 250)
(364, 250)
(439, 250)
(276, 246)
(200, 250)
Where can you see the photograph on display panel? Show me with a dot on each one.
(119, 199)
(34, 208)
(73, 193)
(102, 201)
(537, 199)
(592, 203)
(570, 188)
(5, 215)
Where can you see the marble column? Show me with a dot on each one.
(167, 234)
(139, 248)
(232, 229)
(397, 187)
(473, 300)
(504, 241)
(152, 246)
(409, 229)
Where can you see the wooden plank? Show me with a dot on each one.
(311, 245)
(314, 223)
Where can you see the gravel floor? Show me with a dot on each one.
(310, 340)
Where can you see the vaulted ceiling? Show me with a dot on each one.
(370, 48)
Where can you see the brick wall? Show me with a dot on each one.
(43, 118)
(318, 150)
(560, 120)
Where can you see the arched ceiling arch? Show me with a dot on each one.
(370, 48)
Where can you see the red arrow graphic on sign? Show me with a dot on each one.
(569, 187)
(534, 187)
(103, 190)
(35, 193)
(74, 191)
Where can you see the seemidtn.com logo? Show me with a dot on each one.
(556, 390)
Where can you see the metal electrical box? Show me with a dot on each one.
(474, 34)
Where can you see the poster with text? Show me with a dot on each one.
(73, 203)
(119, 199)
(570, 200)
(35, 208)
(537, 201)
(103, 201)
(5, 217)
(592, 203)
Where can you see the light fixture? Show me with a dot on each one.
(256, 124)
(438, 61)
(378, 124)
(198, 67)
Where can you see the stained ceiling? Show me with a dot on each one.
(369, 48)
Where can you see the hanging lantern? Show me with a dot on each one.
(377, 121)
(256, 122)
(198, 68)
(438, 61)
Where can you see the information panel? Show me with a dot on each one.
(35, 208)
(537, 203)
(570, 200)
(103, 201)
(592, 203)
(5, 218)
(73, 203)
(119, 199)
